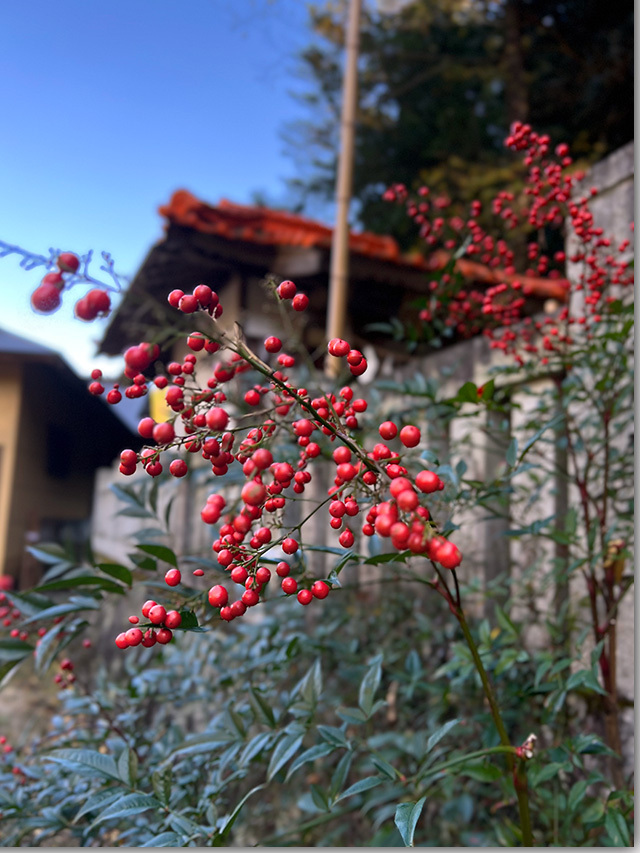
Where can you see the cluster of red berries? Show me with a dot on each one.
(66, 677)
(497, 311)
(203, 424)
(47, 297)
(7, 756)
(9, 614)
(340, 348)
(160, 627)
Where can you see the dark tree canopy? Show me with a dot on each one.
(441, 81)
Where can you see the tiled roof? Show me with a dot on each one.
(265, 226)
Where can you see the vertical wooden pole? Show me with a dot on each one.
(338, 279)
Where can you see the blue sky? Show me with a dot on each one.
(110, 107)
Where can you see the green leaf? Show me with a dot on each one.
(352, 715)
(14, 649)
(319, 798)
(512, 453)
(311, 754)
(104, 765)
(340, 774)
(128, 766)
(115, 570)
(81, 580)
(98, 800)
(482, 772)
(310, 687)
(207, 742)
(127, 805)
(255, 747)
(437, 736)
(261, 707)
(76, 604)
(468, 393)
(162, 783)
(384, 767)
(369, 685)
(576, 795)
(231, 819)
(406, 819)
(161, 552)
(361, 785)
(617, 829)
(48, 552)
(333, 735)
(189, 621)
(165, 839)
(285, 749)
(585, 678)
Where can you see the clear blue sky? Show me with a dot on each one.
(110, 107)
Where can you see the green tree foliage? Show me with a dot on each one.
(440, 82)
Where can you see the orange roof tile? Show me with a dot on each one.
(281, 228)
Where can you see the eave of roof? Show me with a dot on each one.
(264, 226)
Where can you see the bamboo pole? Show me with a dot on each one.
(339, 271)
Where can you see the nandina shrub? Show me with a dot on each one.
(321, 733)
(263, 438)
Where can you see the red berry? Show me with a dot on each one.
(204, 294)
(164, 636)
(407, 500)
(99, 301)
(286, 290)
(121, 641)
(68, 262)
(217, 419)
(305, 596)
(173, 577)
(428, 481)
(133, 636)
(300, 302)
(410, 436)
(173, 619)
(157, 614)
(174, 297)
(273, 344)
(164, 433)
(195, 341)
(45, 299)
(239, 574)
(320, 589)
(238, 608)
(188, 304)
(178, 468)
(289, 585)
(448, 555)
(253, 493)
(263, 575)
(338, 347)
(83, 311)
(289, 546)
(145, 427)
(346, 538)
(388, 430)
(146, 607)
(250, 597)
(283, 569)
(218, 596)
